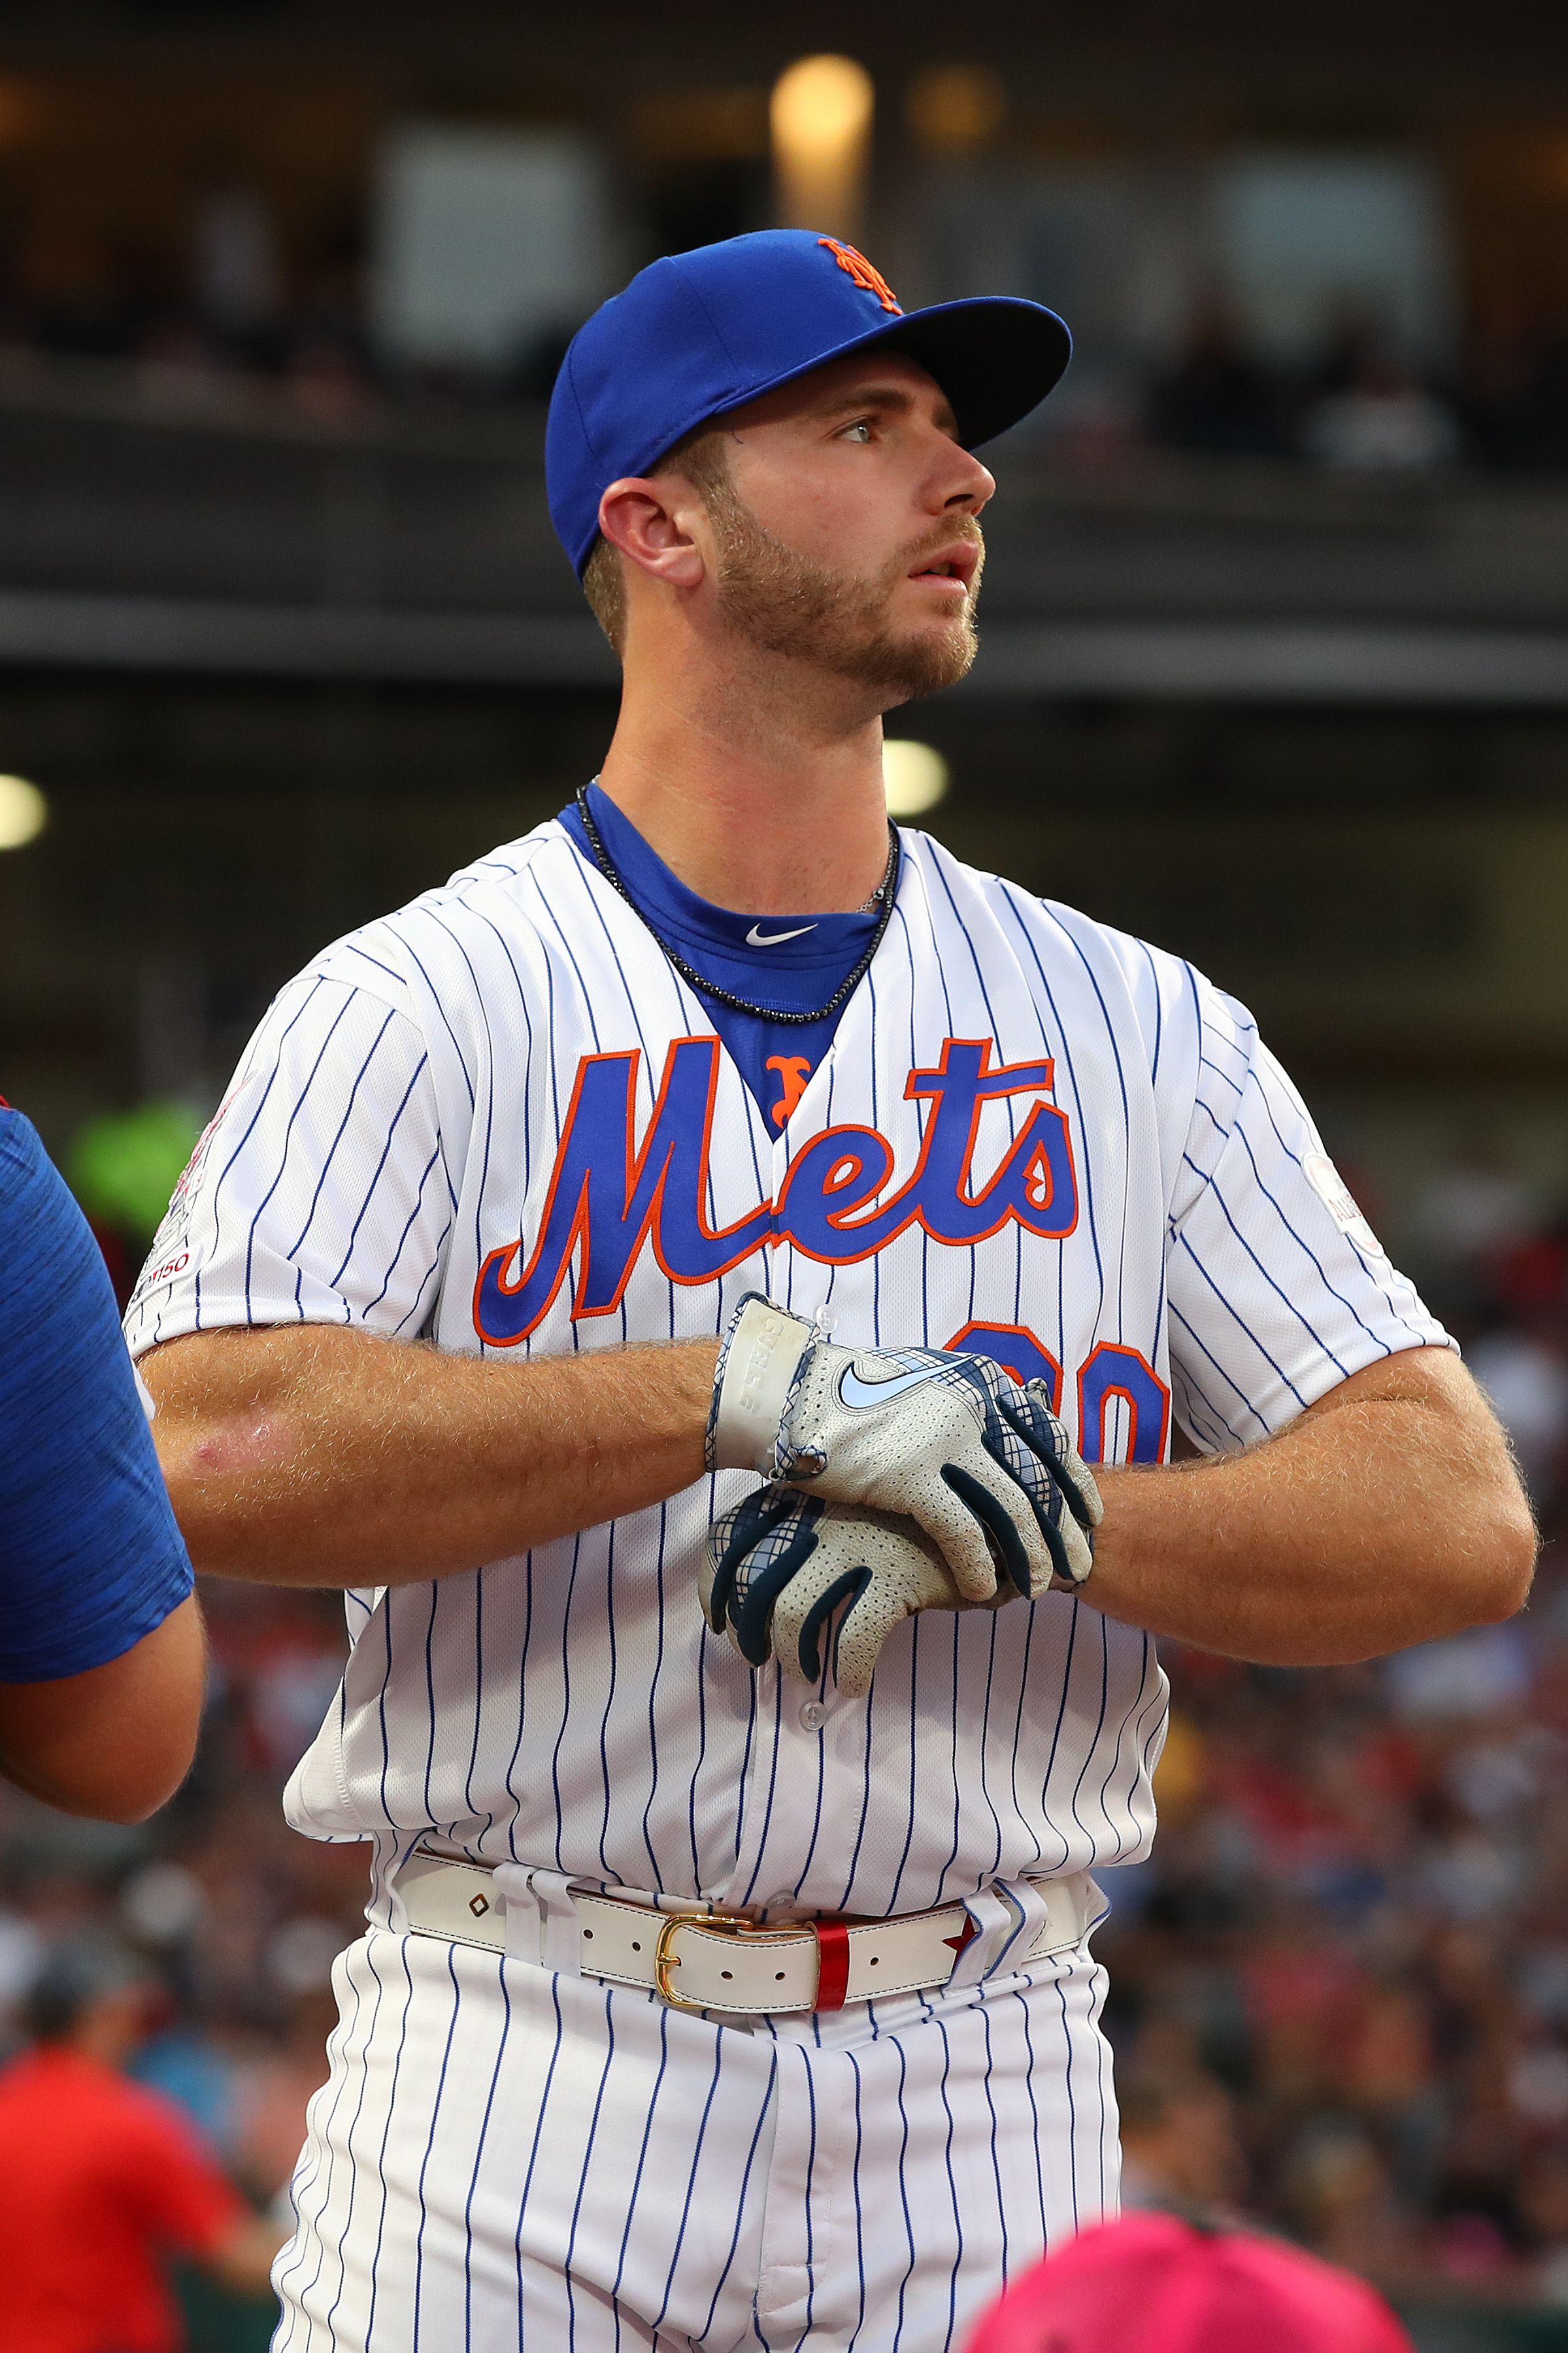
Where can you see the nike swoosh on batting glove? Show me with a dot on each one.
(947, 1440)
(780, 1568)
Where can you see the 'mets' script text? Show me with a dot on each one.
(608, 1198)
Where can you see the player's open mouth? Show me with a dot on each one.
(957, 564)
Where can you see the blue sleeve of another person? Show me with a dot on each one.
(90, 1558)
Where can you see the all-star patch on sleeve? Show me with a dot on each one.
(320, 1193)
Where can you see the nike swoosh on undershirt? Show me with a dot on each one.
(755, 939)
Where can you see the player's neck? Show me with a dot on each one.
(764, 795)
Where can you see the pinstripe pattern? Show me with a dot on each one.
(865, 2180)
(396, 1120)
(507, 2156)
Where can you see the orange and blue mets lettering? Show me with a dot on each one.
(605, 1200)
(610, 1198)
(794, 1071)
(849, 257)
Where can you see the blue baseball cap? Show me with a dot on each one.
(701, 333)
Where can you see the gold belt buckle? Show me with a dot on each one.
(720, 1923)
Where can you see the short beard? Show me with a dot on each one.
(783, 603)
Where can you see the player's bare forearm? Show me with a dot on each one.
(1388, 1514)
(306, 1455)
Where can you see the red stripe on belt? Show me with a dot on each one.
(832, 1963)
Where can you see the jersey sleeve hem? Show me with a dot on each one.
(1221, 1419)
(1324, 1377)
(116, 1640)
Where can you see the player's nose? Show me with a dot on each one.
(960, 483)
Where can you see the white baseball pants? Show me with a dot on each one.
(504, 2157)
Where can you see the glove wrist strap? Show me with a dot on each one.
(762, 1357)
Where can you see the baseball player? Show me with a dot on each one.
(715, 1283)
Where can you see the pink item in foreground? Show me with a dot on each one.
(1153, 2284)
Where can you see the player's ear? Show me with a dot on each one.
(650, 522)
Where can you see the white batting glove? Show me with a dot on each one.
(950, 1440)
(781, 1564)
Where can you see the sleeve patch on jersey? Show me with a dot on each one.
(170, 1254)
(1340, 1202)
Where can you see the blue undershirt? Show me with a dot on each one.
(775, 1058)
(90, 1559)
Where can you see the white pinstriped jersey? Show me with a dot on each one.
(499, 1121)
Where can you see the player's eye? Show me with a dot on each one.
(860, 431)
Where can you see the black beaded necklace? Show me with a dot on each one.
(883, 896)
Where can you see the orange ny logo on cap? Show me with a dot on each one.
(861, 271)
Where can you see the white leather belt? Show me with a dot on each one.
(709, 1961)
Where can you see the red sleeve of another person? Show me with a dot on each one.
(182, 2196)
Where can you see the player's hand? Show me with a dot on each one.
(950, 1440)
(782, 1565)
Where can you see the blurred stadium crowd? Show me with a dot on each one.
(1340, 1988)
(235, 324)
(228, 322)
(232, 1920)
(1360, 407)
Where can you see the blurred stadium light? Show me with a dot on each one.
(23, 812)
(821, 121)
(914, 775)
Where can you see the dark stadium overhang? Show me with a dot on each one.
(1278, 661)
(1275, 661)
